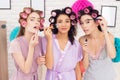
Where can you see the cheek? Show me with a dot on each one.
(93, 26)
(68, 25)
(31, 24)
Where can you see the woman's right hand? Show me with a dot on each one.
(84, 45)
(48, 32)
(34, 40)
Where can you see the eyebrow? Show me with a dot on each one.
(87, 19)
(34, 17)
(62, 20)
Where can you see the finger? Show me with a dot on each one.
(42, 56)
(33, 37)
(36, 35)
(49, 30)
(51, 27)
(85, 43)
(36, 38)
(36, 32)
(45, 29)
(41, 60)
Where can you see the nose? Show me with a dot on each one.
(37, 23)
(64, 24)
(83, 26)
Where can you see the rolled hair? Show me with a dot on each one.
(73, 20)
(89, 11)
(23, 19)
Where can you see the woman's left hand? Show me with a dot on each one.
(41, 60)
(103, 23)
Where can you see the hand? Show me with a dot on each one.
(48, 32)
(85, 45)
(34, 39)
(41, 60)
(103, 23)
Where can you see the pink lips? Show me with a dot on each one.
(40, 28)
(36, 27)
(64, 28)
(86, 30)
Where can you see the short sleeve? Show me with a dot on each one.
(44, 44)
(14, 47)
(80, 54)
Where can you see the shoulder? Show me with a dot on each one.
(15, 41)
(77, 43)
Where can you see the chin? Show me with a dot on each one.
(87, 33)
(32, 32)
(64, 32)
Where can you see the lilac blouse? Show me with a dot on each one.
(64, 61)
(21, 46)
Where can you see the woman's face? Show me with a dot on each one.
(63, 23)
(33, 22)
(88, 24)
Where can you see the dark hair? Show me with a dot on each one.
(23, 19)
(66, 11)
(90, 11)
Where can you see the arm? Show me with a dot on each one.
(110, 45)
(108, 37)
(49, 52)
(49, 55)
(85, 54)
(78, 72)
(24, 64)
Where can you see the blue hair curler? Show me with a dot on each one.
(14, 33)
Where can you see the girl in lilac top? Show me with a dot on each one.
(27, 46)
(62, 51)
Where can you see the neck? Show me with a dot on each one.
(62, 36)
(95, 35)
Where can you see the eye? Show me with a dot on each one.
(87, 21)
(59, 21)
(38, 20)
(68, 21)
(31, 19)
